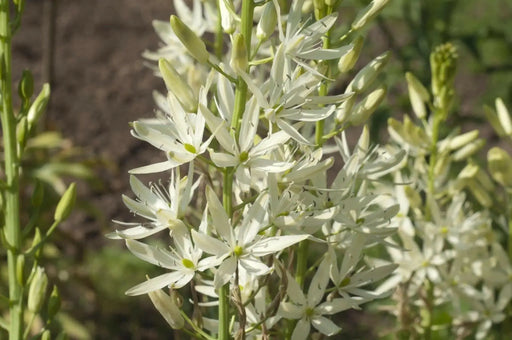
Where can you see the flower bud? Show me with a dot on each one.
(179, 87)
(443, 62)
(349, 59)
(36, 240)
(492, 118)
(54, 303)
(22, 132)
(37, 290)
(462, 140)
(238, 53)
(267, 23)
(168, 308)
(504, 116)
(468, 150)
(365, 77)
(320, 9)
(500, 163)
(190, 40)
(38, 106)
(363, 110)
(26, 85)
(227, 16)
(481, 195)
(47, 335)
(418, 95)
(66, 203)
(37, 194)
(20, 270)
(367, 14)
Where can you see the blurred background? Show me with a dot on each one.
(90, 51)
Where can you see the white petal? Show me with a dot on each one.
(225, 272)
(154, 283)
(155, 167)
(319, 283)
(254, 266)
(292, 132)
(325, 326)
(294, 291)
(140, 231)
(335, 306)
(210, 244)
(220, 218)
(169, 310)
(153, 255)
(274, 244)
(301, 331)
(290, 310)
(223, 160)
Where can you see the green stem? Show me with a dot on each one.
(227, 192)
(12, 200)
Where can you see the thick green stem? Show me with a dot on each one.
(12, 201)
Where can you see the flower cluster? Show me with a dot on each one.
(258, 221)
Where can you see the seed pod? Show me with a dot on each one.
(238, 54)
(267, 23)
(368, 74)
(177, 85)
(349, 59)
(190, 40)
(66, 203)
(37, 290)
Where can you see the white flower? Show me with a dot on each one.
(309, 310)
(240, 247)
(160, 206)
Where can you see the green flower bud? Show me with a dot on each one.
(54, 303)
(443, 62)
(177, 85)
(462, 140)
(22, 132)
(468, 150)
(363, 110)
(66, 203)
(349, 59)
(36, 240)
(26, 85)
(320, 9)
(365, 77)
(504, 116)
(238, 53)
(492, 118)
(418, 95)
(367, 14)
(481, 195)
(190, 40)
(168, 308)
(20, 270)
(413, 196)
(38, 106)
(47, 335)
(37, 290)
(268, 22)
(500, 163)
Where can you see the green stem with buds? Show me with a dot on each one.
(12, 198)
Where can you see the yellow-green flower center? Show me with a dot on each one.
(244, 156)
(309, 312)
(345, 282)
(238, 251)
(190, 148)
(187, 263)
(360, 220)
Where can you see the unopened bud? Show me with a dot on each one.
(66, 203)
(267, 23)
(227, 17)
(22, 132)
(363, 110)
(367, 14)
(320, 9)
(179, 87)
(36, 240)
(26, 85)
(468, 150)
(168, 308)
(37, 290)
(413, 196)
(481, 195)
(20, 270)
(38, 106)
(349, 59)
(190, 40)
(443, 62)
(462, 140)
(418, 95)
(367, 75)
(47, 335)
(503, 116)
(54, 303)
(500, 163)
(238, 53)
